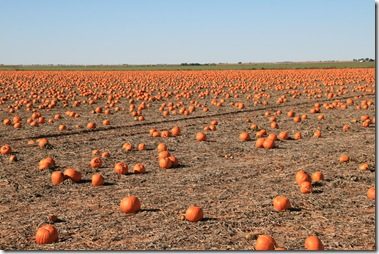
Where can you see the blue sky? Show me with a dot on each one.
(177, 31)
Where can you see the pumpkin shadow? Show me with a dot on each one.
(108, 183)
(59, 221)
(85, 181)
(179, 166)
(294, 209)
(317, 184)
(209, 219)
(317, 191)
(150, 210)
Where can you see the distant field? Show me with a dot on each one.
(255, 66)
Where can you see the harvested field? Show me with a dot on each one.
(232, 181)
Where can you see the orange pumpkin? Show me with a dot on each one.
(165, 163)
(130, 204)
(73, 174)
(306, 187)
(139, 168)
(43, 142)
(46, 234)
(121, 168)
(259, 143)
(194, 213)
(174, 160)
(201, 137)
(281, 203)
(57, 177)
(344, 158)
(302, 176)
(317, 176)
(265, 242)
(283, 135)
(141, 147)
(97, 180)
(244, 136)
(175, 131)
(161, 147)
(46, 163)
(268, 143)
(371, 193)
(313, 243)
(91, 125)
(96, 162)
(127, 147)
(5, 149)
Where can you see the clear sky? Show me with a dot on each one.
(177, 31)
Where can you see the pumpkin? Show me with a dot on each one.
(73, 175)
(165, 134)
(317, 176)
(106, 122)
(344, 158)
(268, 143)
(165, 163)
(5, 149)
(62, 127)
(130, 204)
(105, 155)
(97, 180)
(260, 133)
(96, 162)
(139, 168)
(317, 134)
(91, 125)
(244, 136)
(259, 142)
(95, 152)
(201, 137)
(174, 160)
(254, 127)
(127, 147)
(141, 147)
(46, 234)
(265, 242)
(281, 203)
(291, 114)
(313, 243)
(306, 187)
(297, 119)
(297, 135)
(121, 168)
(363, 166)
(302, 176)
(272, 136)
(46, 163)
(283, 135)
(12, 158)
(274, 125)
(43, 142)
(194, 213)
(345, 127)
(214, 122)
(163, 154)
(156, 134)
(175, 131)
(57, 177)
(371, 193)
(161, 147)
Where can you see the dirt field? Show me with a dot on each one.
(232, 181)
